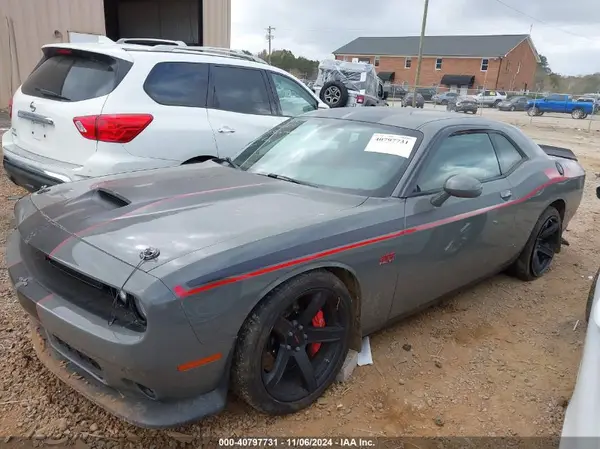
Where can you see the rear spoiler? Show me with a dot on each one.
(565, 153)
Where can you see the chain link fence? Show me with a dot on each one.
(542, 109)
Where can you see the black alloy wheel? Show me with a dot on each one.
(545, 246)
(296, 359)
(543, 243)
(293, 344)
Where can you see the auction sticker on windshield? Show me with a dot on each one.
(394, 144)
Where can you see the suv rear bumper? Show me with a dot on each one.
(26, 176)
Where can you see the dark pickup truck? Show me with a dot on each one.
(559, 103)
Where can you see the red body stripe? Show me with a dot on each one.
(171, 198)
(44, 299)
(182, 292)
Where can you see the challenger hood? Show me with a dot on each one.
(178, 211)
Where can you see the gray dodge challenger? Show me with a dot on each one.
(155, 293)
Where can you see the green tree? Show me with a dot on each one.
(286, 60)
(543, 64)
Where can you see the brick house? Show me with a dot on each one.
(504, 62)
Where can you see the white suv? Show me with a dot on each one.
(90, 110)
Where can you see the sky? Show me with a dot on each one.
(565, 31)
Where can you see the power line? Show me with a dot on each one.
(270, 38)
(540, 20)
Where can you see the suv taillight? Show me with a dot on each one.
(10, 106)
(113, 128)
(360, 99)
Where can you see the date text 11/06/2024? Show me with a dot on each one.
(297, 442)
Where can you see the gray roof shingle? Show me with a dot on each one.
(465, 46)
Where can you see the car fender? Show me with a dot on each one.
(355, 342)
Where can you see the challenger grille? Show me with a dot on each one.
(81, 290)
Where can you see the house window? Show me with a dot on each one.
(407, 63)
(367, 60)
(484, 64)
(438, 64)
(376, 61)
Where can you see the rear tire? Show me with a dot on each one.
(543, 243)
(280, 329)
(578, 114)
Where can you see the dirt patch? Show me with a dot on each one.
(499, 359)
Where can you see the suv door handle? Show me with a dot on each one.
(505, 194)
(226, 130)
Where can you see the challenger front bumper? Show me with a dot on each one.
(146, 377)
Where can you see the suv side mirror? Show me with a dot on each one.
(460, 186)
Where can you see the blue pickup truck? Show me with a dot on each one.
(561, 104)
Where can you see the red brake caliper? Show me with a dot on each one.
(317, 321)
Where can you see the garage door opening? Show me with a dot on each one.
(179, 20)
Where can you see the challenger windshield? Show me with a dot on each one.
(356, 157)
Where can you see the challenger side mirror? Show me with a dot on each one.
(460, 186)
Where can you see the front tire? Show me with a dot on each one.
(544, 242)
(293, 344)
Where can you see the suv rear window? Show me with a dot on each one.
(74, 77)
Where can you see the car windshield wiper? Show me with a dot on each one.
(287, 178)
(49, 93)
(226, 160)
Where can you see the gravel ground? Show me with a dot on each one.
(497, 360)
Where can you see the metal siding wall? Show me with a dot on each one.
(35, 22)
(217, 23)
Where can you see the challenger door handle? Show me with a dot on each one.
(226, 130)
(505, 194)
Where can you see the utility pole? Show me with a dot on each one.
(419, 60)
(270, 37)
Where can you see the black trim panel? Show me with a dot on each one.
(27, 177)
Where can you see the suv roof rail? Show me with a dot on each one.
(150, 41)
(210, 51)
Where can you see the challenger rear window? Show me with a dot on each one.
(75, 76)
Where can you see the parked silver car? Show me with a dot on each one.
(408, 100)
